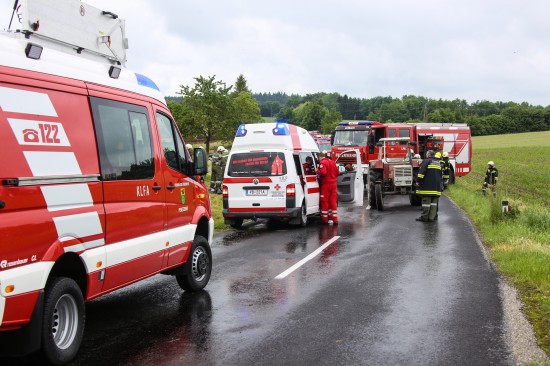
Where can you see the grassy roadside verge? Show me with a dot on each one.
(519, 243)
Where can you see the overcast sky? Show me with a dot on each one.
(497, 50)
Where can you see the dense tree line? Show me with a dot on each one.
(316, 111)
(210, 110)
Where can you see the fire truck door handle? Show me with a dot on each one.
(170, 187)
(156, 188)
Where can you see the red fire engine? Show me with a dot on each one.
(453, 138)
(97, 189)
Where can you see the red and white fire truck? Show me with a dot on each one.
(365, 135)
(97, 189)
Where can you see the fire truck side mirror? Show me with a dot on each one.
(200, 162)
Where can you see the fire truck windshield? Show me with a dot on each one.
(349, 138)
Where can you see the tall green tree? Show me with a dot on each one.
(241, 85)
(209, 109)
(246, 109)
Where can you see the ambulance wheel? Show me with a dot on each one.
(237, 224)
(63, 322)
(378, 195)
(198, 268)
(303, 216)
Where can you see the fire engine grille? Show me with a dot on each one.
(403, 175)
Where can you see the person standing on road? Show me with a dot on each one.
(328, 176)
(428, 184)
(491, 176)
(217, 171)
(445, 169)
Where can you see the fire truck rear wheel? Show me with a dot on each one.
(379, 198)
(198, 268)
(63, 322)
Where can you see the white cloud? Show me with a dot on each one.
(494, 49)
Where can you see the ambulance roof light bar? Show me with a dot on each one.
(281, 128)
(241, 131)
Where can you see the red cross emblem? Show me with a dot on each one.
(277, 187)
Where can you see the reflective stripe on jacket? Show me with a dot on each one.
(429, 178)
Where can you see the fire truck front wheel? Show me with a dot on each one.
(63, 322)
(198, 268)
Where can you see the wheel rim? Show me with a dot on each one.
(65, 321)
(200, 264)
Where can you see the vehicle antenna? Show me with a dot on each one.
(13, 13)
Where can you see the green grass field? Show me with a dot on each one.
(519, 242)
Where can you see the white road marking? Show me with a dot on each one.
(309, 257)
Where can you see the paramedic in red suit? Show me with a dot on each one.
(328, 175)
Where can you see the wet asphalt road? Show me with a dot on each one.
(389, 291)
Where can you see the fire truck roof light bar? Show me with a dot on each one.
(360, 123)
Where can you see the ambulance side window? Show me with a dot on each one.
(123, 140)
(172, 144)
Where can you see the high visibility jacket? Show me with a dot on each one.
(328, 171)
(429, 178)
(491, 175)
(445, 167)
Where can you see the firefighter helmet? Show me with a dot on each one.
(438, 155)
(189, 146)
(491, 163)
(220, 149)
(445, 154)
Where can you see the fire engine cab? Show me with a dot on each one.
(453, 138)
(97, 190)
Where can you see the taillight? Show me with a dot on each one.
(290, 190)
(224, 192)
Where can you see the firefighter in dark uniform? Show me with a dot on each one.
(445, 169)
(491, 176)
(217, 170)
(428, 184)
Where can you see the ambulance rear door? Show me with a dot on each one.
(256, 181)
(309, 182)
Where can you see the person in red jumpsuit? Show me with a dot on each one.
(328, 176)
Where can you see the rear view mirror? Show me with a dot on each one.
(200, 162)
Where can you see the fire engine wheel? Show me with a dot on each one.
(451, 176)
(237, 224)
(198, 268)
(379, 198)
(63, 322)
(373, 175)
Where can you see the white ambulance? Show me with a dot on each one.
(271, 173)
(97, 189)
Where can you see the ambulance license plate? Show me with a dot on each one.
(256, 192)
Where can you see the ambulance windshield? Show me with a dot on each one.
(257, 164)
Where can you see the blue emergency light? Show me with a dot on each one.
(281, 129)
(145, 81)
(241, 131)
